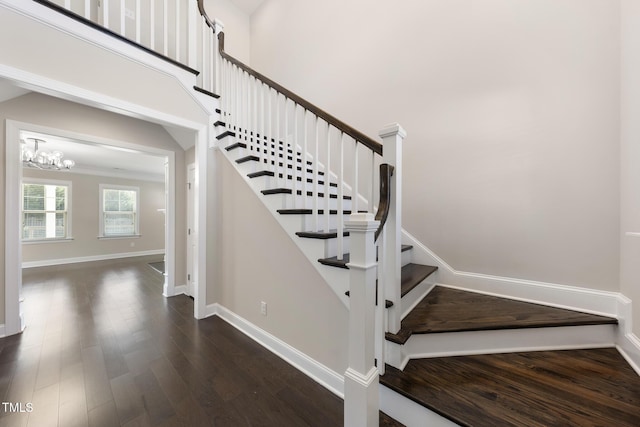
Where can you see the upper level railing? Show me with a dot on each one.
(173, 30)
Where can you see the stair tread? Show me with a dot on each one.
(331, 234)
(454, 310)
(413, 275)
(342, 263)
(310, 211)
(282, 190)
(236, 145)
(568, 387)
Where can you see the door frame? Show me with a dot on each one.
(14, 320)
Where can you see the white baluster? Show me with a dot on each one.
(316, 160)
(272, 163)
(356, 173)
(123, 11)
(177, 24)
(203, 52)
(212, 54)
(105, 13)
(67, 4)
(361, 401)
(392, 137)
(285, 145)
(193, 18)
(263, 127)
(327, 186)
(294, 172)
(218, 26)
(340, 222)
(305, 148)
(152, 23)
(165, 27)
(138, 22)
(374, 180)
(87, 9)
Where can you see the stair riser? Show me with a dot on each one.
(406, 257)
(305, 222)
(331, 247)
(409, 412)
(288, 201)
(500, 341)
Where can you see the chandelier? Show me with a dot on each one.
(36, 158)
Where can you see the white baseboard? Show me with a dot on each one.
(556, 295)
(2, 331)
(328, 378)
(105, 257)
(630, 350)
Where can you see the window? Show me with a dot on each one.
(45, 210)
(118, 211)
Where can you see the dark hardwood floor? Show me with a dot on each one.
(573, 388)
(103, 347)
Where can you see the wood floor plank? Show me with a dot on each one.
(120, 354)
(452, 310)
(549, 388)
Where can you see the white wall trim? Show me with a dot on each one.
(179, 290)
(556, 295)
(328, 378)
(105, 257)
(89, 35)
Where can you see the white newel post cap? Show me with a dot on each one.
(361, 222)
(392, 130)
(218, 26)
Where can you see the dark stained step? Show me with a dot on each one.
(453, 310)
(220, 123)
(545, 388)
(342, 263)
(255, 158)
(413, 275)
(225, 134)
(323, 235)
(206, 92)
(236, 145)
(387, 421)
(245, 159)
(289, 177)
(299, 193)
(309, 212)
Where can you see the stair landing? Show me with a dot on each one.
(453, 310)
(546, 388)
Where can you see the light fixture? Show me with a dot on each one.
(36, 158)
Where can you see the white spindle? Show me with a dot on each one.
(203, 53)
(271, 163)
(316, 160)
(372, 187)
(305, 148)
(105, 13)
(356, 173)
(138, 22)
(123, 13)
(165, 27)
(263, 125)
(211, 54)
(178, 29)
(67, 4)
(87, 9)
(294, 172)
(285, 145)
(276, 144)
(340, 192)
(327, 176)
(152, 23)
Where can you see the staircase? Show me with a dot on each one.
(446, 356)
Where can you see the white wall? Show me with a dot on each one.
(236, 27)
(54, 113)
(512, 112)
(630, 156)
(84, 209)
(259, 262)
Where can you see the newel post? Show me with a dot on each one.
(392, 137)
(361, 404)
(218, 26)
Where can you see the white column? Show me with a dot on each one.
(392, 136)
(361, 405)
(218, 27)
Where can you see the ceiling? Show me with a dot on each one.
(101, 159)
(248, 6)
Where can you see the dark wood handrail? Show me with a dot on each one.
(386, 172)
(373, 145)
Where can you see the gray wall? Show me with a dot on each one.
(512, 113)
(84, 208)
(59, 114)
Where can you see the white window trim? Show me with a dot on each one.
(103, 187)
(43, 181)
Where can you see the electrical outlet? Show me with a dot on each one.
(128, 13)
(263, 308)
